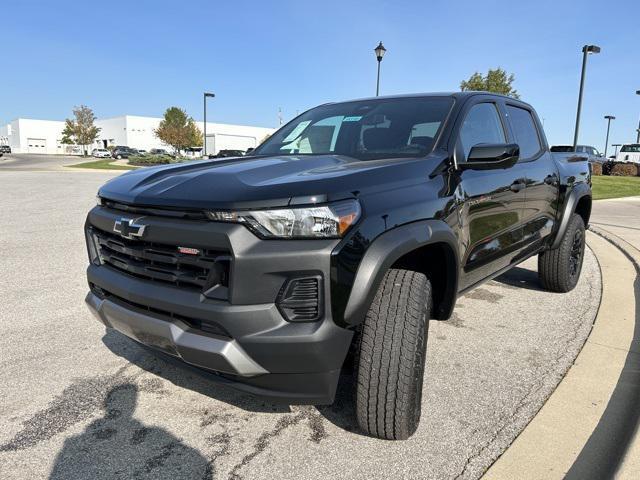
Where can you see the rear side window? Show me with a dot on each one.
(525, 131)
(482, 125)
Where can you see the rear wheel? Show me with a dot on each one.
(391, 356)
(559, 269)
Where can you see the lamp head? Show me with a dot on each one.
(380, 51)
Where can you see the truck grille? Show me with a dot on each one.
(158, 262)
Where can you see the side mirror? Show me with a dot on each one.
(487, 156)
(249, 150)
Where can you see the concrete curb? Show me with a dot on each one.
(584, 429)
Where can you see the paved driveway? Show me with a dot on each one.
(620, 216)
(33, 162)
(79, 402)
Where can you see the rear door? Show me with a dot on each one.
(542, 177)
(491, 202)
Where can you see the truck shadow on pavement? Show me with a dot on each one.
(119, 446)
(520, 277)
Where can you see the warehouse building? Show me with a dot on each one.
(45, 136)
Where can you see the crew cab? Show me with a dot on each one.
(347, 230)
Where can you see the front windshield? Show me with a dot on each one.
(367, 129)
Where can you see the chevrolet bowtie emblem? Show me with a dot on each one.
(128, 229)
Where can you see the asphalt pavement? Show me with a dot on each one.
(620, 216)
(78, 402)
(26, 162)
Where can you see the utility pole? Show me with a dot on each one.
(586, 50)
(204, 139)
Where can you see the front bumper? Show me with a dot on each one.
(303, 365)
(175, 337)
(244, 339)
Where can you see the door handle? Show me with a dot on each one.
(517, 186)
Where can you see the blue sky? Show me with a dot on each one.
(140, 57)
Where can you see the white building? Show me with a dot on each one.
(45, 136)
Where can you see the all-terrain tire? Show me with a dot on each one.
(559, 269)
(391, 356)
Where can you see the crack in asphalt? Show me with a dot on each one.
(526, 399)
(318, 433)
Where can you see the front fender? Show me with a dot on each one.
(386, 250)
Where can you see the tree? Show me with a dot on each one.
(81, 130)
(178, 130)
(496, 81)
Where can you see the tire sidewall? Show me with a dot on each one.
(576, 224)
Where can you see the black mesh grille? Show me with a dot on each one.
(164, 263)
(301, 299)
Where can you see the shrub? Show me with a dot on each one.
(146, 160)
(625, 170)
(596, 168)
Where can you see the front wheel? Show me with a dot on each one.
(559, 269)
(391, 356)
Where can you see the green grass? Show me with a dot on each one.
(614, 187)
(101, 165)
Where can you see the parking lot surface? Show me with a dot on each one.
(77, 402)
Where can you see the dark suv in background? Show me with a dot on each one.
(123, 152)
(345, 231)
(590, 153)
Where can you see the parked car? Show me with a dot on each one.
(142, 152)
(123, 152)
(629, 153)
(100, 153)
(228, 153)
(345, 231)
(591, 153)
(158, 151)
(5, 149)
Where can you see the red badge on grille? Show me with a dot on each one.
(189, 250)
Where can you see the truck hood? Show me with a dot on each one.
(250, 182)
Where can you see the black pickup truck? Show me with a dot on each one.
(343, 233)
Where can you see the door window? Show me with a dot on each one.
(525, 131)
(482, 125)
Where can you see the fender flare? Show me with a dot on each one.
(578, 191)
(385, 250)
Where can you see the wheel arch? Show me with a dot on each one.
(427, 246)
(578, 201)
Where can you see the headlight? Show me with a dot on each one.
(327, 221)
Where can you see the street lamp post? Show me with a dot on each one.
(380, 51)
(638, 130)
(586, 50)
(616, 145)
(204, 139)
(606, 143)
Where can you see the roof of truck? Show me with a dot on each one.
(457, 95)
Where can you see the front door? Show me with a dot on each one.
(490, 202)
